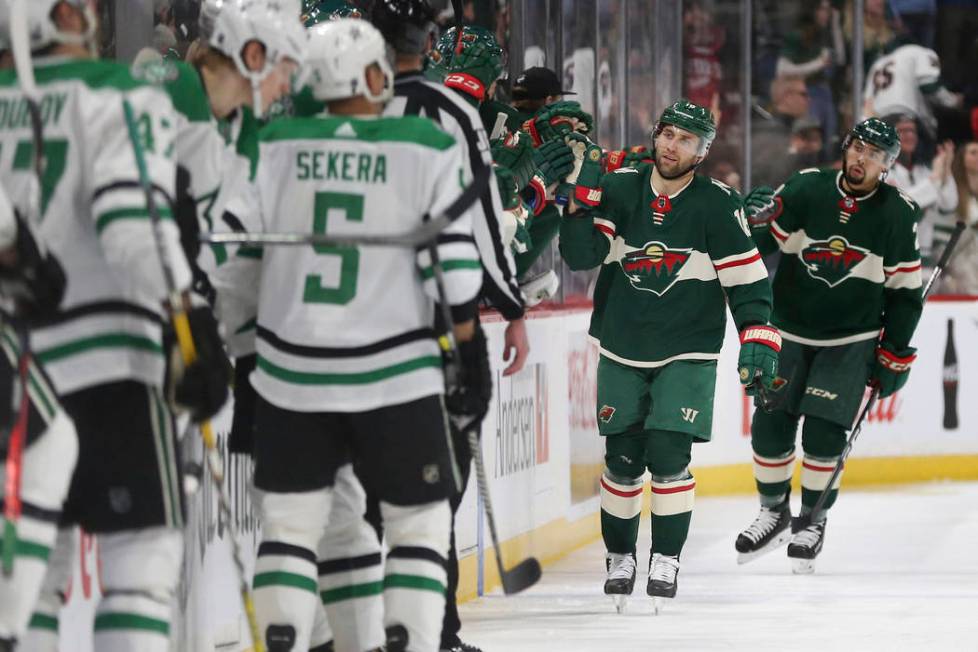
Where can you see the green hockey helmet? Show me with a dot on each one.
(877, 133)
(317, 11)
(470, 63)
(692, 118)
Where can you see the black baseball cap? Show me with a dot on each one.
(536, 84)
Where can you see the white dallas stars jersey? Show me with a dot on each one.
(94, 217)
(350, 329)
(899, 81)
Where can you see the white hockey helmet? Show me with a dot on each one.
(232, 24)
(44, 31)
(340, 51)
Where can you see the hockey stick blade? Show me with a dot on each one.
(521, 576)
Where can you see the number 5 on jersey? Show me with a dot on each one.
(352, 207)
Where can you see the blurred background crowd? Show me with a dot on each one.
(785, 79)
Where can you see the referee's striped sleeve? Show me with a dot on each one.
(416, 96)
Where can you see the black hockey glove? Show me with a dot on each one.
(37, 282)
(202, 387)
(468, 400)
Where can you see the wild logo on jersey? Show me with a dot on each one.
(655, 267)
(832, 260)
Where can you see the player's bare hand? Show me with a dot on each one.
(516, 346)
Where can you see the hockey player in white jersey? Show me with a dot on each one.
(104, 350)
(42, 458)
(907, 80)
(246, 57)
(349, 369)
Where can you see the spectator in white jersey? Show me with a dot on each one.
(907, 80)
(930, 184)
(961, 276)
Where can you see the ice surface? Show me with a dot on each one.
(899, 571)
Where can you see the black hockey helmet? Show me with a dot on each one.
(405, 24)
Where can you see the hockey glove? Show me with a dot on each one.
(515, 153)
(587, 172)
(758, 363)
(468, 401)
(36, 281)
(760, 207)
(508, 192)
(892, 368)
(554, 160)
(202, 387)
(557, 120)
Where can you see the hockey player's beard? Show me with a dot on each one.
(855, 179)
(670, 172)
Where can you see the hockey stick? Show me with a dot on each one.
(526, 573)
(13, 465)
(422, 235)
(803, 521)
(181, 325)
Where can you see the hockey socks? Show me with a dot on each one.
(140, 570)
(46, 468)
(815, 475)
(773, 477)
(285, 582)
(621, 507)
(415, 576)
(351, 573)
(672, 508)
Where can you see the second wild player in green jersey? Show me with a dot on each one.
(674, 248)
(847, 297)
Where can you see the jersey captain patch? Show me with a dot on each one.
(832, 260)
(655, 267)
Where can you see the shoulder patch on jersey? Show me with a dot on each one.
(721, 185)
(625, 171)
(808, 170)
(157, 72)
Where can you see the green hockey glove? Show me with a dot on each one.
(759, 349)
(892, 368)
(557, 120)
(508, 192)
(554, 160)
(515, 152)
(587, 172)
(761, 207)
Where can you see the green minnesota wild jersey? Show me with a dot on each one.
(670, 265)
(851, 265)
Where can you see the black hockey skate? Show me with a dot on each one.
(621, 578)
(461, 647)
(663, 579)
(771, 529)
(805, 546)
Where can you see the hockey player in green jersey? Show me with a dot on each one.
(847, 297)
(674, 250)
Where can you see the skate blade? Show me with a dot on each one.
(658, 604)
(773, 544)
(621, 602)
(802, 566)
